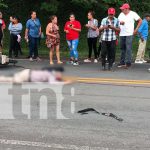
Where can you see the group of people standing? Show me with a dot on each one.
(108, 31)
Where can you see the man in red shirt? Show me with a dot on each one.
(72, 29)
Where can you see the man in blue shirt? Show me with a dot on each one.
(33, 33)
(143, 34)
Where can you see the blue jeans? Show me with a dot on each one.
(73, 44)
(126, 49)
(33, 46)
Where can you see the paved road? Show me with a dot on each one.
(82, 132)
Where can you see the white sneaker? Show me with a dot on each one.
(30, 59)
(144, 61)
(87, 60)
(38, 59)
(139, 62)
(76, 64)
(95, 61)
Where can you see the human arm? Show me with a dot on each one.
(40, 28)
(92, 26)
(139, 22)
(65, 28)
(10, 26)
(116, 28)
(140, 31)
(138, 25)
(76, 27)
(27, 29)
(103, 26)
(3, 25)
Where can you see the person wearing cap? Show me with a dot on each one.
(127, 19)
(143, 35)
(109, 27)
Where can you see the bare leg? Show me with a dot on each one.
(51, 55)
(58, 54)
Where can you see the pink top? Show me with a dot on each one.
(42, 76)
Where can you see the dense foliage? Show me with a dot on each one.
(62, 8)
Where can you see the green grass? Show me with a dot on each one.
(83, 48)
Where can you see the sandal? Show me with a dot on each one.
(59, 62)
(51, 63)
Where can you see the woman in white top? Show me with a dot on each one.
(92, 35)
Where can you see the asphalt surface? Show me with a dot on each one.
(81, 132)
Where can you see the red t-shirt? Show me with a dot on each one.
(72, 35)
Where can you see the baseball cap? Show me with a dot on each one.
(147, 15)
(125, 6)
(111, 11)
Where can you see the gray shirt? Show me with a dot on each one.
(91, 32)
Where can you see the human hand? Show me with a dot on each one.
(142, 39)
(105, 27)
(67, 31)
(122, 23)
(87, 25)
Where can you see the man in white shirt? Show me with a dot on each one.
(127, 19)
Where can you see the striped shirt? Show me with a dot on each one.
(109, 34)
(15, 29)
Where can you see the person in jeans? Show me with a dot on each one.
(143, 35)
(127, 19)
(53, 39)
(109, 27)
(72, 29)
(32, 34)
(92, 36)
(15, 28)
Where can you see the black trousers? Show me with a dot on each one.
(99, 50)
(14, 45)
(92, 44)
(109, 50)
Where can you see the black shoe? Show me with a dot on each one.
(128, 65)
(121, 65)
(34, 57)
(103, 68)
(110, 68)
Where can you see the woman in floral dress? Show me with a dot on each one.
(53, 39)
